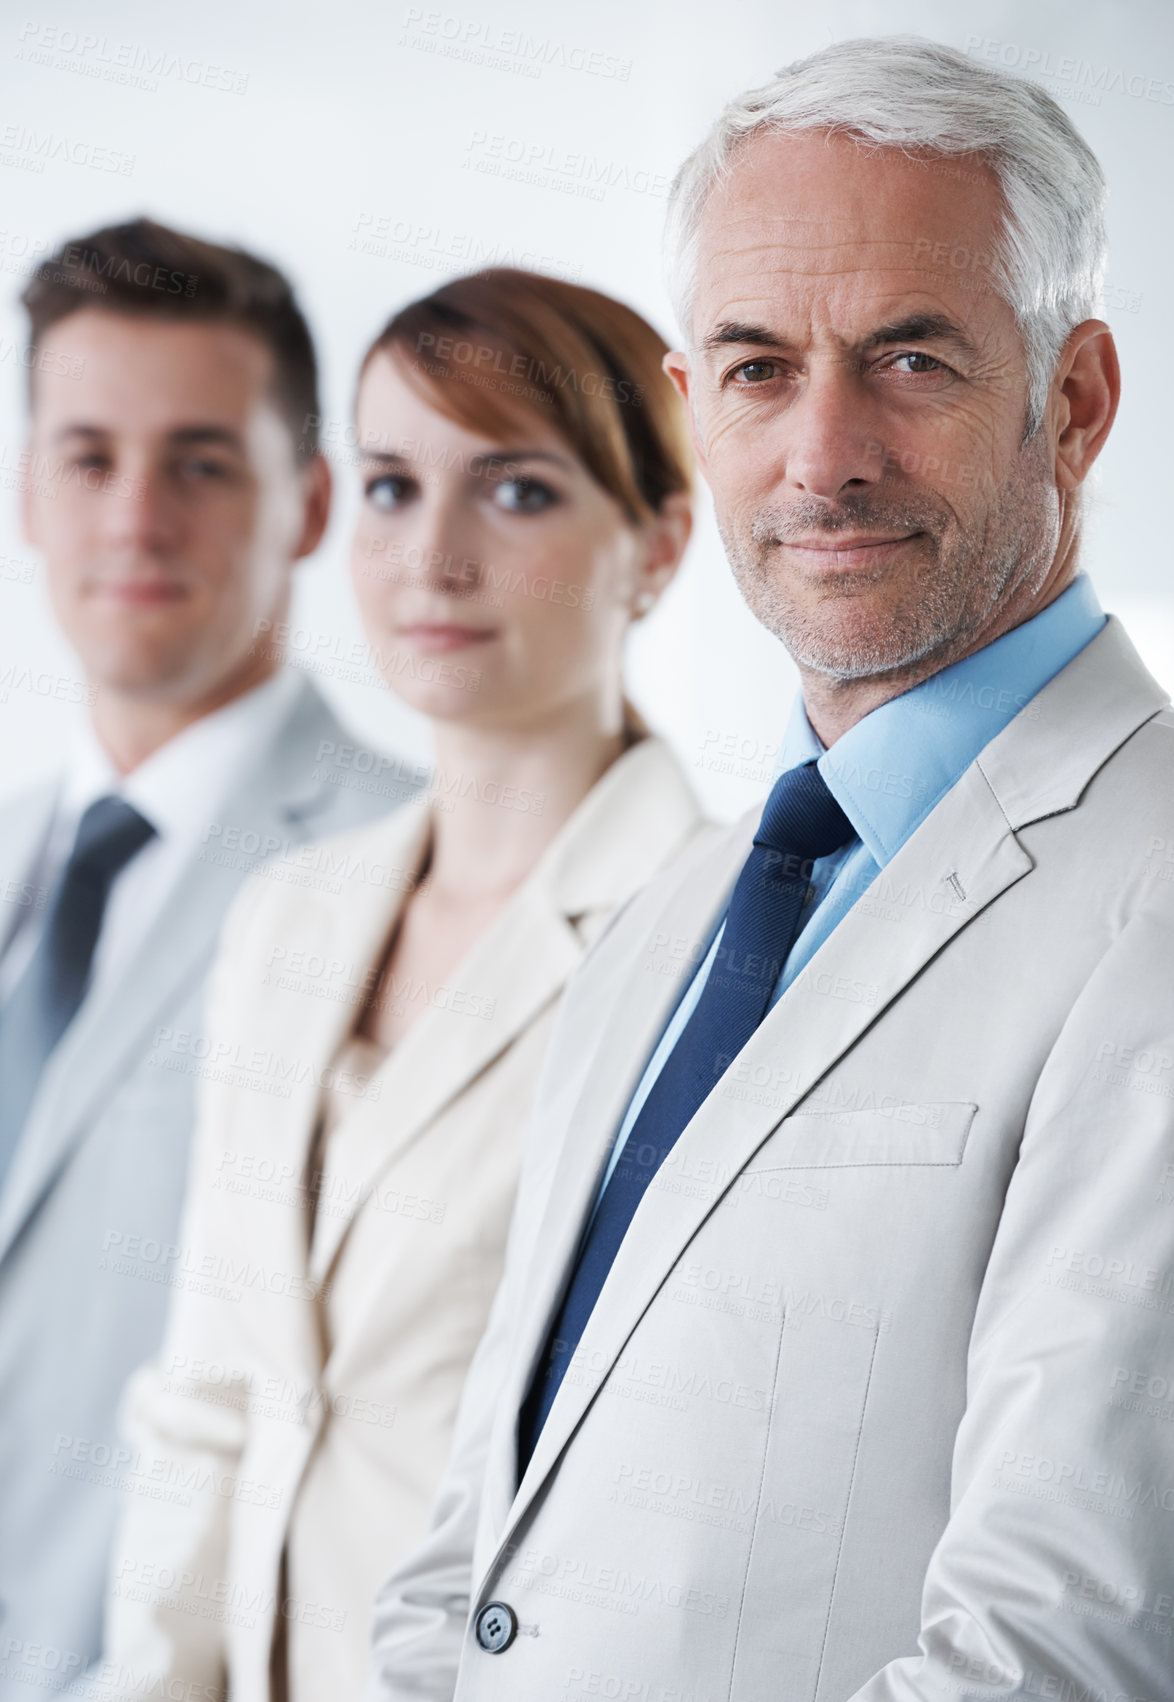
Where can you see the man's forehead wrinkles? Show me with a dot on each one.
(819, 301)
(781, 246)
(791, 225)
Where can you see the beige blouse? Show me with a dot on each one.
(357, 1058)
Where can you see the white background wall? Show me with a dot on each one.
(300, 128)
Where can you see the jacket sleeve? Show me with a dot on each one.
(185, 1420)
(1052, 1576)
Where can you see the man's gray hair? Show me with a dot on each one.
(908, 93)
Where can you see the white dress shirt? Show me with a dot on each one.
(178, 789)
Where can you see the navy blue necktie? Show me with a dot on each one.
(46, 997)
(801, 822)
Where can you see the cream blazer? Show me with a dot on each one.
(875, 1401)
(303, 1401)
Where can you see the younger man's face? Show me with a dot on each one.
(164, 494)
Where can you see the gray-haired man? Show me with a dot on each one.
(844, 1250)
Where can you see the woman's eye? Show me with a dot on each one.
(754, 371)
(523, 496)
(388, 491)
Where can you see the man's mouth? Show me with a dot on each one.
(846, 552)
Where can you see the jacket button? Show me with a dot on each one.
(495, 1627)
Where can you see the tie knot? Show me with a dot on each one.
(801, 817)
(108, 835)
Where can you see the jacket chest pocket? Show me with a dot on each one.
(934, 1132)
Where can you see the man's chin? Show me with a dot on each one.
(856, 649)
(161, 679)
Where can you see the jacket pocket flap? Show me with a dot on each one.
(908, 1133)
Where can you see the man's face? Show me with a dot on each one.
(164, 495)
(859, 397)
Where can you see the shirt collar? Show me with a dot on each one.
(890, 769)
(178, 785)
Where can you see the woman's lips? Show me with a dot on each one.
(444, 635)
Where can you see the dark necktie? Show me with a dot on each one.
(46, 997)
(801, 822)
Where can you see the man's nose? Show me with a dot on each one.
(139, 509)
(829, 444)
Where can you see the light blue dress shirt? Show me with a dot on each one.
(890, 769)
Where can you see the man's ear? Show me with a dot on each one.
(316, 492)
(1085, 393)
(676, 366)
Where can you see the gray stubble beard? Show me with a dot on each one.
(966, 580)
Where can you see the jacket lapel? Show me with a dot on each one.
(632, 821)
(685, 906)
(351, 928)
(643, 1006)
(24, 828)
(510, 975)
(961, 858)
(280, 801)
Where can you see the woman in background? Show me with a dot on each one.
(525, 497)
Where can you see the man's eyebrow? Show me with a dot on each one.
(736, 331)
(79, 428)
(183, 436)
(921, 328)
(914, 328)
(197, 434)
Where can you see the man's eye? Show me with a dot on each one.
(919, 362)
(200, 467)
(388, 491)
(523, 496)
(754, 371)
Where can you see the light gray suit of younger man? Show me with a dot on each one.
(178, 498)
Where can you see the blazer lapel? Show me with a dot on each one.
(278, 801)
(509, 976)
(694, 896)
(351, 928)
(633, 820)
(24, 828)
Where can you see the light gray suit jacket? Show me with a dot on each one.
(90, 1208)
(876, 1400)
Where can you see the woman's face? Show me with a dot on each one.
(496, 578)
